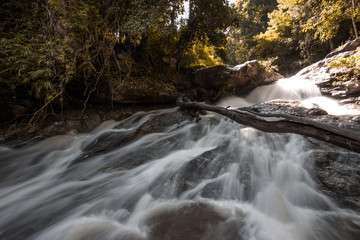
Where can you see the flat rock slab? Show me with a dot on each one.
(314, 112)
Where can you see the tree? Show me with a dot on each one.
(208, 19)
(298, 32)
(252, 19)
(280, 40)
(50, 45)
(330, 16)
(56, 50)
(286, 39)
(353, 16)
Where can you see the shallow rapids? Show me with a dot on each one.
(134, 180)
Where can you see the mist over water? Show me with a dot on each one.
(214, 179)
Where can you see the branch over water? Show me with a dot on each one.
(283, 123)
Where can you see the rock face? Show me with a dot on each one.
(325, 76)
(337, 174)
(226, 80)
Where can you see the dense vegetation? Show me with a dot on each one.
(292, 33)
(60, 52)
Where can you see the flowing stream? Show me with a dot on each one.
(132, 180)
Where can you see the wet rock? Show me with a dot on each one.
(112, 140)
(326, 77)
(337, 175)
(295, 108)
(71, 122)
(208, 166)
(240, 79)
(314, 112)
(356, 119)
(195, 221)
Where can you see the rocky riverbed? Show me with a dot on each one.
(335, 170)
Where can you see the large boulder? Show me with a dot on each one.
(327, 77)
(227, 80)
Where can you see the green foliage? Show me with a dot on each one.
(350, 67)
(27, 56)
(208, 19)
(293, 32)
(252, 19)
(51, 50)
(285, 38)
(281, 36)
(201, 54)
(328, 16)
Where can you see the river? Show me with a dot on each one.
(214, 179)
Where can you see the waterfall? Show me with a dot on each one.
(294, 88)
(214, 179)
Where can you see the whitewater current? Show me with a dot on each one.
(214, 179)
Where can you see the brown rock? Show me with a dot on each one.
(238, 79)
(194, 221)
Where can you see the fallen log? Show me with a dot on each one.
(283, 123)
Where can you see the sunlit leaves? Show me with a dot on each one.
(329, 16)
(252, 19)
(48, 45)
(350, 66)
(201, 54)
(207, 22)
(296, 25)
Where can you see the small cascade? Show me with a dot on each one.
(294, 88)
(297, 88)
(214, 179)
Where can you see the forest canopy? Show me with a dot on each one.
(291, 33)
(57, 52)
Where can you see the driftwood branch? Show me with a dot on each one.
(282, 123)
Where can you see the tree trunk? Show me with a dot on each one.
(191, 11)
(282, 123)
(354, 20)
(331, 44)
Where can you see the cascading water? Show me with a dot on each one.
(209, 180)
(294, 88)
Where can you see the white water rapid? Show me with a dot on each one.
(213, 180)
(294, 88)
